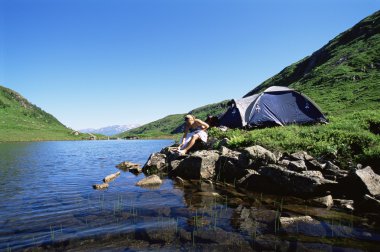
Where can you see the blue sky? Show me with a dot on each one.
(94, 63)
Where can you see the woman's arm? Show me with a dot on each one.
(184, 135)
(202, 124)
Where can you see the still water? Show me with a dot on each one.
(47, 203)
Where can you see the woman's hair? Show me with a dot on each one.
(189, 117)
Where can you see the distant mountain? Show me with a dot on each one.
(341, 77)
(110, 130)
(22, 121)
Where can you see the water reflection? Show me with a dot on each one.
(53, 206)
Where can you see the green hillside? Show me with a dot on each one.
(343, 76)
(22, 121)
(171, 125)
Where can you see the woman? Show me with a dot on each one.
(194, 129)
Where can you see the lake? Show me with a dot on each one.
(47, 203)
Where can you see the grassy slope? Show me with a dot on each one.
(22, 121)
(343, 78)
(171, 124)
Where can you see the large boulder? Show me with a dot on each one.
(258, 155)
(152, 180)
(333, 172)
(199, 165)
(230, 165)
(286, 181)
(252, 180)
(156, 163)
(368, 181)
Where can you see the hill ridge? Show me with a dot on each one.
(20, 120)
(342, 76)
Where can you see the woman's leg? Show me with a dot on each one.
(191, 143)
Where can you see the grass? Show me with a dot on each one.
(342, 78)
(347, 138)
(22, 121)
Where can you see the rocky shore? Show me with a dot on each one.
(257, 169)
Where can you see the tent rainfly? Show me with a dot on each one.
(274, 106)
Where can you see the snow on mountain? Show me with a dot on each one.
(110, 130)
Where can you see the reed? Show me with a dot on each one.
(51, 233)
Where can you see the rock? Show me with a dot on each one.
(224, 142)
(368, 180)
(283, 162)
(326, 201)
(313, 165)
(126, 165)
(331, 166)
(151, 180)
(111, 177)
(368, 203)
(136, 170)
(100, 186)
(301, 155)
(259, 155)
(314, 174)
(200, 164)
(179, 180)
(254, 220)
(286, 181)
(297, 166)
(254, 181)
(156, 163)
(229, 166)
(174, 164)
(344, 204)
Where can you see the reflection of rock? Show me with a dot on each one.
(111, 177)
(152, 180)
(253, 220)
(302, 225)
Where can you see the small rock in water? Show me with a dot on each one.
(111, 177)
(126, 165)
(100, 186)
(150, 181)
(135, 170)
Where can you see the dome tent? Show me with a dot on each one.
(274, 106)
